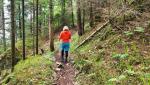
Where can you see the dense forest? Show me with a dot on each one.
(110, 42)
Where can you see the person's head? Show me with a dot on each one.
(65, 28)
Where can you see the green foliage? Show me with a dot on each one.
(120, 56)
(130, 72)
(139, 29)
(1, 49)
(145, 78)
(74, 42)
(80, 63)
(130, 1)
(147, 75)
(36, 70)
(6, 56)
(49, 54)
(29, 45)
(128, 33)
(111, 61)
(117, 79)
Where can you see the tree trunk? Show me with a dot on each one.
(80, 32)
(3, 28)
(40, 21)
(63, 13)
(72, 13)
(37, 1)
(31, 23)
(83, 20)
(20, 28)
(109, 10)
(23, 30)
(13, 54)
(91, 14)
(51, 33)
(33, 29)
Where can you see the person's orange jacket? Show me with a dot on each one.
(65, 36)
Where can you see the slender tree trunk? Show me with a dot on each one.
(124, 17)
(51, 33)
(83, 20)
(63, 12)
(91, 14)
(16, 37)
(20, 28)
(109, 10)
(45, 20)
(40, 21)
(33, 29)
(37, 47)
(45, 24)
(3, 28)
(31, 23)
(23, 30)
(72, 13)
(79, 22)
(13, 53)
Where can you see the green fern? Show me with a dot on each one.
(139, 29)
(120, 56)
(128, 33)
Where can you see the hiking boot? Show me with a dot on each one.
(62, 59)
(66, 61)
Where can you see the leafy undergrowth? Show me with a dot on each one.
(29, 45)
(113, 57)
(36, 70)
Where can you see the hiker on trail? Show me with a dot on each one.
(65, 37)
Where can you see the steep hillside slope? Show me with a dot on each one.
(118, 54)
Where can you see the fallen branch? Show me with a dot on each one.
(99, 29)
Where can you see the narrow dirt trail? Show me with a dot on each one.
(65, 75)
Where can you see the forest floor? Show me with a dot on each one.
(65, 74)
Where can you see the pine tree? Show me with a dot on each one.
(72, 13)
(3, 26)
(79, 22)
(51, 33)
(23, 28)
(13, 53)
(37, 33)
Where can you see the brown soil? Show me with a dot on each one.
(65, 75)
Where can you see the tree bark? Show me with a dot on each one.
(72, 13)
(63, 9)
(51, 33)
(33, 29)
(40, 21)
(83, 21)
(79, 22)
(23, 30)
(31, 23)
(20, 28)
(91, 14)
(3, 28)
(13, 53)
(37, 1)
